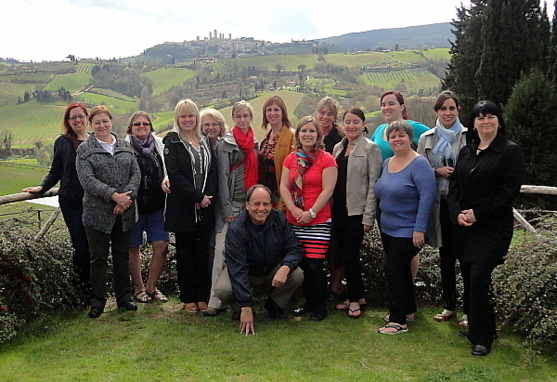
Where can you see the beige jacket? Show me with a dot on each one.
(427, 142)
(364, 168)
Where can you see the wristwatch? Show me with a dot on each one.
(313, 214)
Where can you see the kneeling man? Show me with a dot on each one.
(262, 251)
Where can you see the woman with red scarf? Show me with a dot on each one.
(237, 157)
(308, 178)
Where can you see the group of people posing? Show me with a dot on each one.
(249, 216)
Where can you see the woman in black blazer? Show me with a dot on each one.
(189, 207)
(485, 182)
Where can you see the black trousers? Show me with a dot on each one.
(72, 211)
(314, 284)
(400, 286)
(100, 244)
(193, 263)
(448, 256)
(348, 233)
(477, 296)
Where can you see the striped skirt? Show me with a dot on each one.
(314, 238)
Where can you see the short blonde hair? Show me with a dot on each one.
(240, 104)
(217, 116)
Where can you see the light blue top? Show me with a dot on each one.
(378, 137)
(406, 198)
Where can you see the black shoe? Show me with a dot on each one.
(318, 316)
(480, 350)
(130, 305)
(95, 312)
(275, 311)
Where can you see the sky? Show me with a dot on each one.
(52, 29)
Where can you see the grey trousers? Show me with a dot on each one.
(261, 284)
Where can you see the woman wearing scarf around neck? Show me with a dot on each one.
(237, 172)
(189, 211)
(278, 143)
(149, 151)
(308, 179)
(441, 146)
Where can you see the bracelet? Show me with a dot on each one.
(313, 214)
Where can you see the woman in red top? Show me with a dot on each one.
(308, 178)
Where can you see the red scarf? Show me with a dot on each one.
(246, 142)
(304, 160)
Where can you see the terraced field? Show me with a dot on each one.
(165, 78)
(116, 105)
(413, 79)
(72, 82)
(31, 122)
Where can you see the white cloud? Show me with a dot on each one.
(52, 29)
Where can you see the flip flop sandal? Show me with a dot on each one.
(354, 313)
(159, 297)
(441, 317)
(399, 329)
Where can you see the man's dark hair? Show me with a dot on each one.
(256, 186)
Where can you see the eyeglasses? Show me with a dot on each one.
(80, 116)
(141, 124)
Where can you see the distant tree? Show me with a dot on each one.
(26, 96)
(512, 34)
(531, 121)
(396, 47)
(552, 50)
(495, 42)
(7, 140)
(279, 67)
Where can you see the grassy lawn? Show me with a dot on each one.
(163, 343)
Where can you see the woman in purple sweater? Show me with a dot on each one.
(406, 192)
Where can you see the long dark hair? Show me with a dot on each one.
(483, 107)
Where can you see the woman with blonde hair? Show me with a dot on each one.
(193, 177)
(278, 143)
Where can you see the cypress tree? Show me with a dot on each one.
(532, 123)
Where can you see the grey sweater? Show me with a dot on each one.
(101, 174)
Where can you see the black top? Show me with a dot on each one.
(63, 169)
(487, 181)
(331, 140)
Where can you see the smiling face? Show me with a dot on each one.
(210, 127)
(391, 109)
(353, 126)
(187, 121)
(273, 113)
(447, 113)
(102, 126)
(307, 136)
(399, 141)
(242, 117)
(326, 118)
(259, 206)
(141, 127)
(77, 120)
(487, 125)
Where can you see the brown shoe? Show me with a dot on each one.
(202, 306)
(190, 307)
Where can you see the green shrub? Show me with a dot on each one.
(35, 276)
(526, 290)
(428, 280)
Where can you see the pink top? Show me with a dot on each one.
(312, 185)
